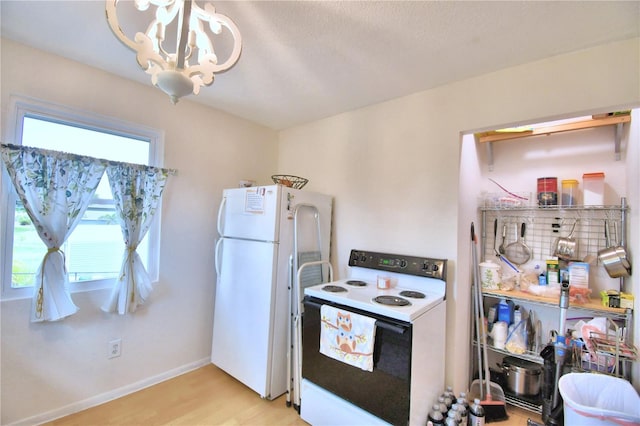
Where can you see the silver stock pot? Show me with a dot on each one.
(523, 377)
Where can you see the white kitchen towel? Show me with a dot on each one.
(347, 337)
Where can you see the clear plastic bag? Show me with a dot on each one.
(517, 340)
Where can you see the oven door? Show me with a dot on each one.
(384, 392)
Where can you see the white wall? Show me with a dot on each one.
(395, 168)
(50, 369)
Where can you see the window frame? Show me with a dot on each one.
(21, 107)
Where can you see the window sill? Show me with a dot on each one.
(27, 292)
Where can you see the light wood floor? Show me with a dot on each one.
(206, 396)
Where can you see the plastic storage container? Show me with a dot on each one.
(598, 399)
(593, 189)
(569, 192)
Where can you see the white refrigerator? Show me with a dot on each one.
(254, 257)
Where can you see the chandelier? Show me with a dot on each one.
(177, 73)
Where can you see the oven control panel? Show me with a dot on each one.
(411, 265)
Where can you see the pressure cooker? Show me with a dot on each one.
(523, 377)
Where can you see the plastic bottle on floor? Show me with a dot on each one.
(462, 409)
(476, 414)
(451, 419)
(435, 416)
(443, 406)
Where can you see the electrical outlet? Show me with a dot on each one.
(114, 349)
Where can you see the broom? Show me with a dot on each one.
(494, 405)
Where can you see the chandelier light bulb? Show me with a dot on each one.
(174, 73)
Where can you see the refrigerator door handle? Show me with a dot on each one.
(220, 214)
(217, 256)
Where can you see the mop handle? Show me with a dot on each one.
(560, 345)
(476, 272)
(476, 279)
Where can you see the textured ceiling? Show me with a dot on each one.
(306, 60)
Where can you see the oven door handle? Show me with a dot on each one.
(398, 329)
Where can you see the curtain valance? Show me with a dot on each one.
(84, 158)
(55, 189)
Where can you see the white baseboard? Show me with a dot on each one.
(111, 395)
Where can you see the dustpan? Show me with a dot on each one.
(478, 389)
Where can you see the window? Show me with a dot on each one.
(94, 251)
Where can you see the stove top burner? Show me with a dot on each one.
(334, 289)
(391, 300)
(412, 294)
(356, 283)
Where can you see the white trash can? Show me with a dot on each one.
(598, 399)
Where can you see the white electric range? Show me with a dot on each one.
(405, 295)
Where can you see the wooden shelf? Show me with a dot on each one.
(497, 136)
(591, 305)
(536, 208)
(613, 119)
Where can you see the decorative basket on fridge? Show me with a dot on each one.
(290, 181)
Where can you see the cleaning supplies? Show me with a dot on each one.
(505, 311)
(494, 405)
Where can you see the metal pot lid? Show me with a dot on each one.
(523, 370)
(517, 363)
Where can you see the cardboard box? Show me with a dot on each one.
(553, 272)
(626, 300)
(614, 299)
(579, 274)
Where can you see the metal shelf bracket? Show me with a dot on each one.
(490, 155)
(617, 139)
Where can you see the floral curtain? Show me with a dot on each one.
(137, 192)
(55, 189)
